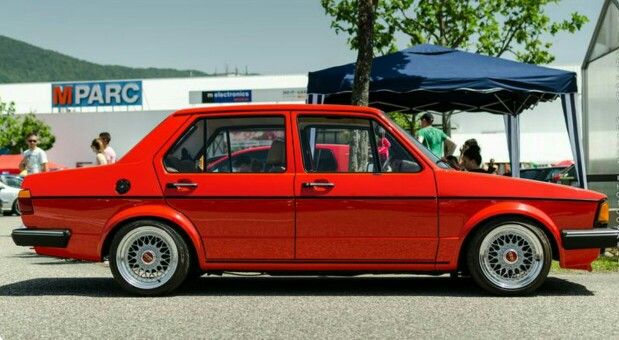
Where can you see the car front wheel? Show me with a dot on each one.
(149, 258)
(509, 257)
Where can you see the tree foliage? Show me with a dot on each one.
(490, 27)
(14, 129)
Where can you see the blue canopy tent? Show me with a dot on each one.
(434, 78)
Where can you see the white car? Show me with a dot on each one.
(8, 197)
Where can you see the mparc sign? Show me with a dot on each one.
(108, 93)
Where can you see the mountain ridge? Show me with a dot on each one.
(21, 62)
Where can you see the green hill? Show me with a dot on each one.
(21, 62)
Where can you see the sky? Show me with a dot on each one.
(266, 36)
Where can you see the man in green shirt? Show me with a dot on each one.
(434, 138)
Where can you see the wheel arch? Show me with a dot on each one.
(507, 211)
(163, 214)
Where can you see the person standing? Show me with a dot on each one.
(110, 154)
(436, 140)
(35, 159)
(471, 159)
(97, 148)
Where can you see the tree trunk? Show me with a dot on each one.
(365, 54)
(361, 86)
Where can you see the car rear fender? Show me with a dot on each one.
(511, 208)
(159, 212)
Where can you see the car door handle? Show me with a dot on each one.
(318, 185)
(177, 185)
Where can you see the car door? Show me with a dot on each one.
(232, 176)
(361, 195)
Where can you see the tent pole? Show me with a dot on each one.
(568, 101)
(512, 131)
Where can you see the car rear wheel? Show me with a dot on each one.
(149, 258)
(16, 210)
(509, 257)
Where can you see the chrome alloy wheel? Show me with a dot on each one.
(511, 256)
(147, 257)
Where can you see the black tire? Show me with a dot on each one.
(15, 209)
(195, 272)
(166, 249)
(528, 270)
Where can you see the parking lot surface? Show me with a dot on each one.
(55, 298)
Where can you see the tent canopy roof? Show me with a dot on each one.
(430, 77)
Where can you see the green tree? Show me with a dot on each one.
(14, 128)
(405, 120)
(516, 28)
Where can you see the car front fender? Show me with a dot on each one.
(511, 208)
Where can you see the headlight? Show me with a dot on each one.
(603, 215)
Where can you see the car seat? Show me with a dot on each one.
(276, 157)
(326, 161)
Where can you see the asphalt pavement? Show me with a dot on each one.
(42, 297)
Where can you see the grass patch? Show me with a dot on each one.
(602, 264)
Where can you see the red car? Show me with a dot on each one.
(311, 194)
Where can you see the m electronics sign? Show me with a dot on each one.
(108, 93)
(235, 96)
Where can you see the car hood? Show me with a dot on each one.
(468, 184)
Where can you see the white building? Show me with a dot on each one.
(130, 109)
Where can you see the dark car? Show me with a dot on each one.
(566, 177)
(542, 174)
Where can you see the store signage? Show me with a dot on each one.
(235, 96)
(108, 93)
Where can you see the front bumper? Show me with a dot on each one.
(57, 238)
(590, 238)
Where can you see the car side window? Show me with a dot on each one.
(230, 145)
(392, 156)
(337, 144)
(334, 144)
(246, 145)
(186, 154)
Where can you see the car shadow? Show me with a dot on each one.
(287, 286)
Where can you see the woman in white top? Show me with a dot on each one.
(97, 147)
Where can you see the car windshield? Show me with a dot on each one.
(12, 181)
(419, 145)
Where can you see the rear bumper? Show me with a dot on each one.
(590, 238)
(57, 238)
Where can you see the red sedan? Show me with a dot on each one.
(312, 194)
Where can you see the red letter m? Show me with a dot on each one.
(62, 95)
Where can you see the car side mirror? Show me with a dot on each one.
(409, 166)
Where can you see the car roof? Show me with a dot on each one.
(326, 108)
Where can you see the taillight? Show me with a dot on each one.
(603, 215)
(25, 202)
